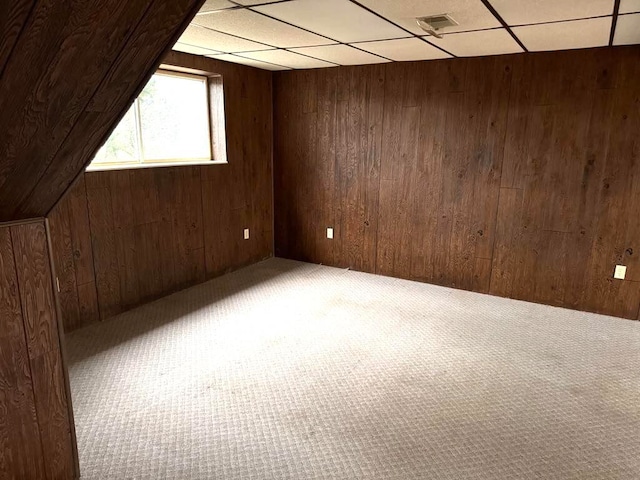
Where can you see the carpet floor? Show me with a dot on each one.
(286, 370)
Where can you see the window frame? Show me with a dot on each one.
(169, 162)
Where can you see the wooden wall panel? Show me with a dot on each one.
(36, 438)
(73, 256)
(20, 445)
(72, 70)
(123, 238)
(13, 15)
(513, 175)
(41, 328)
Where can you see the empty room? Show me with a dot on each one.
(319, 239)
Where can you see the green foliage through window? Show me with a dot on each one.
(168, 122)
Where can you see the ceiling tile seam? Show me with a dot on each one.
(211, 12)
(292, 25)
(569, 20)
(337, 64)
(198, 46)
(235, 36)
(258, 4)
(426, 40)
(240, 54)
(311, 56)
(247, 58)
(371, 53)
(503, 23)
(400, 27)
(469, 31)
(336, 42)
(614, 21)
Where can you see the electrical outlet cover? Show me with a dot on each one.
(329, 232)
(620, 272)
(246, 234)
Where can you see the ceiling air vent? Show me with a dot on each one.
(434, 23)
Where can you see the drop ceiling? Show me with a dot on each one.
(298, 34)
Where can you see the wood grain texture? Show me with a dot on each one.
(72, 73)
(512, 175)
(35, 425)
(20, 445)
(123, 238)
(13, 15)
(36, 291)
(73, 257)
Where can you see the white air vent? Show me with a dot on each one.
(433, 24)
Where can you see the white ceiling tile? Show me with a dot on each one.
(470, 14)
(405, 49)
(523, 12)
(565, 35)
(340, 54)
(287, 59)
(253, 26)
(629, 6)
(337, 19)
(627, 30)
(477, 44)
(206, 38)
(213, 5)
(195, 50)
(227, 57)
(255, 2)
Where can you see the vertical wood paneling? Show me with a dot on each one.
(69, 85)
(34, 389)
(131, 236)
(512, 175)
(20, 445)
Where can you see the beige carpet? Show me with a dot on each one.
(286, 370)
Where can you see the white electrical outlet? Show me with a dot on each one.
(246, 234)
(329, 232)
(620, 272)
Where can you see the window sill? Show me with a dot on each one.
(103, 168)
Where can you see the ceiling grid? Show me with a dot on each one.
(298, 34)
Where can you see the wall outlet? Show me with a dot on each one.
(620, 272)
(329, 232)
(246, 234)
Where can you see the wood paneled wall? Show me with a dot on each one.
(123, 238)
(69, 71)
(513, 175)
(36, 427)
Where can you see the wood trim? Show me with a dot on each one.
(504, 24)
(26, 221)
(63, 353)
(614, 21)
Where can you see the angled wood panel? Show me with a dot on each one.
(72, 72)
(13, 16)
(122, 238)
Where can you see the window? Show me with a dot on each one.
(167, 124)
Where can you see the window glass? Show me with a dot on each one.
(167, 123)
(122, 145)
(174, 118)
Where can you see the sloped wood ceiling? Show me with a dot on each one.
(68, 71)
